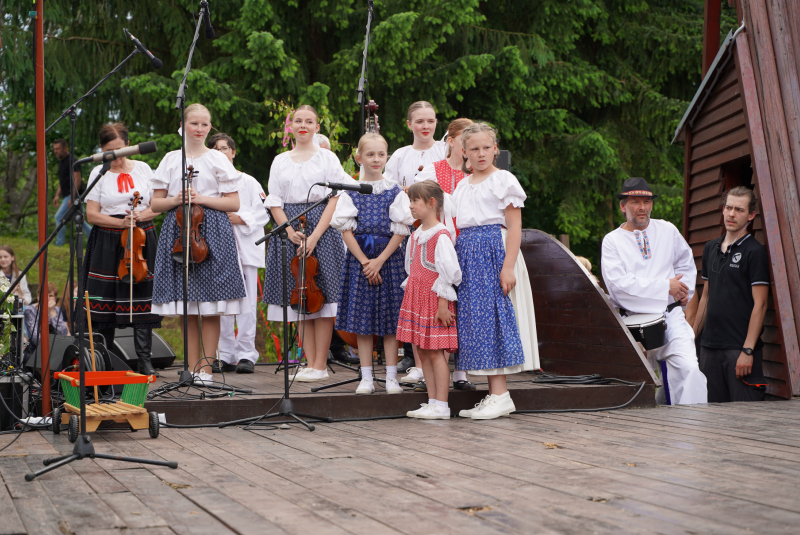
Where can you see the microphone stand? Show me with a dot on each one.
(83, 446)
(185, 378)
(71, 111)
(287, 407)
(362, 81)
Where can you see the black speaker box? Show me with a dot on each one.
(162, 354)
(504, 160)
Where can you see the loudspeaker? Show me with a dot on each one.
(504, 160)
(16, 394)
(162, 354)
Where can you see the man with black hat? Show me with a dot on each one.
(648, 268)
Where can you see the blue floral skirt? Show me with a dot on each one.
(365, 309)
(218, 278)
(488, 337)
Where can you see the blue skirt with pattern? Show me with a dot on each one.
(366, 309)
(329, 251)
(218, 278)
(488, 337)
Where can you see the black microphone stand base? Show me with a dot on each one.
(85, 449)
(287, 409)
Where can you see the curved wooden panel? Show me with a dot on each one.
(578, 328)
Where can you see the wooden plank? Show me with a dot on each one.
(707, 221)
(721, 98)
(730, 154)
(704, 207)
(711, 191)
(783, 275)
(704, 178)
(720, 144)
(10, 522)
(711, 117)
(703, 236)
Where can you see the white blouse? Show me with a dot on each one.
(215, 175)
(445, 262)
(485, 203)
(405, 163)
(107, 191)
(290, 182)
(255, 217)
(344, 217)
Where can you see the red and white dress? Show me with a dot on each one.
(433, 272)
(447, 177)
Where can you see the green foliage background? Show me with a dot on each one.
(584, 93)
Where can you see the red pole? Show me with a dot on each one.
(711, 25)
(41, 172)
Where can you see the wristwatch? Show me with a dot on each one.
(747, 351)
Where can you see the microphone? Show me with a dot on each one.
(361, 188)
(142, 148)
(207, 19)
(154, 60)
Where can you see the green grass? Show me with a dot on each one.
(58, 269)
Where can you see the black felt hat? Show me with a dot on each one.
(636, 187)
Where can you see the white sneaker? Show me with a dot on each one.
(366, 386)
(313, 376)
(393, 387)
(416, 414)
(435, 412)
(467, 413)
(298, 372)
(202, 379)
(496, 406)
(414, 376)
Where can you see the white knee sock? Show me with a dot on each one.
(366, 373)
(391, 372)
(459, 376)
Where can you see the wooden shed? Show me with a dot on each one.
(743, 128)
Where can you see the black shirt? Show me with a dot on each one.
(731, 276)
(64, 175)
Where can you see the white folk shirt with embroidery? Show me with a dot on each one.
(293, 183)
(445, 261)
(106, 191)
(405, 163)
(485, 203)
(253, 212)
(637, 266)
(345, 217)
(215, 174)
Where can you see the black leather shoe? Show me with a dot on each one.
(421, 386)
(222, 367)
(245, 366)
(464, 385)
(405, 363)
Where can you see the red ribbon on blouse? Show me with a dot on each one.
(124, 180)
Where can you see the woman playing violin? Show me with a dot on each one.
(108, 208)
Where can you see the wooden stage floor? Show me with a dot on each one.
(725, 469)
(183, 406)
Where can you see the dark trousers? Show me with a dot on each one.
(719, 367)
(142, 340)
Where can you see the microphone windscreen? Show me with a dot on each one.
(156, 63)
(147, 147)
(209, 32)
(366, 188)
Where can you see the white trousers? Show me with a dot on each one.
(686, 383)
(233, 347)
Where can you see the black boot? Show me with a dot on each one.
(143, 342)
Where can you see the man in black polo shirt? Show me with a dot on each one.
(63, 194)
(731, 311)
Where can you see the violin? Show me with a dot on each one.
(198, 248)
(306, 297)
(371, 122)
(133, 261)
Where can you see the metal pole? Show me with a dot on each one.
(41, 172)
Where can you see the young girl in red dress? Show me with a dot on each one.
(427, 316)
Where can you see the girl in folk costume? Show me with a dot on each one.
(406, 162)
(216, 285)
(373, 227)
(427, 317)
(291, 178)
(447, 171)
(488, 212)
(109, 210)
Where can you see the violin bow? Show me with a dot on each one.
(130, 259)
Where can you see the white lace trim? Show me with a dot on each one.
(350, 224)
(399, 228)
(379, 186)
(422, 236)
(442, 289)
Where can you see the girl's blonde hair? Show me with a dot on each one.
(471, 130)
(419, 105)
(455, 129)
(14, 267)
(307, 108)
(370, 136)
(426, 190)
(195, 108)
